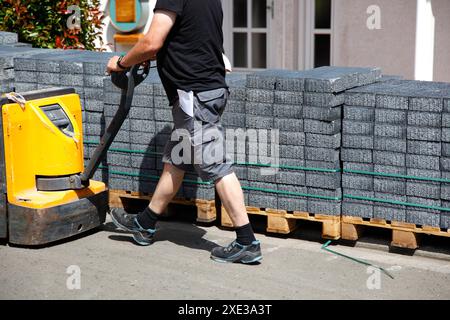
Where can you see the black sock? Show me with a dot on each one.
(147, 219)
(245, 235)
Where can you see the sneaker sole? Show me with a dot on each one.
(141, 243)
(240, 260)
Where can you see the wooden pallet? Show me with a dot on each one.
(206, 209)
(280, 221)
(404, 235)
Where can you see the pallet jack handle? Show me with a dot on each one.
(127, 81)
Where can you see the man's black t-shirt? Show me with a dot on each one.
(191, 58)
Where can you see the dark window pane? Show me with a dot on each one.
(239, 13)
(259, 50)
(240, 50)
(322, 50)
(323, 14)
(259, 13)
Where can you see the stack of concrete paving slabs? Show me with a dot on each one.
(322, 111)
(7, 72)
(233, 122)
(394, 147)
(306, 108)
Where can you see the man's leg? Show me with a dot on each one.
(232, 197)
(245, 248)
(168, 185)
(143, 225)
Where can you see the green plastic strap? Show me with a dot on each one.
(325, 247)
(291, 193)
(393, 175)
(151, 177)
(210, 183)
(287, 167)
(401, 203)
(238, 163)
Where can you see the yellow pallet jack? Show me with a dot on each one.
(46, 194)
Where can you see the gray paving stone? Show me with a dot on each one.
(143, 125)
(323, 180)
(424, 133)
(95, 94)
(259, 122)
(445, 164)
(357, 181)
(291, 177)
(359, 99)
(296, 152)
(445, 191)
(391, 116)
(321, 154)
(357, 155)
(324, 141)
(142, 101)
(259, 109)
(380, 168)
(25, 86)
(390, 144)
(259, 95)
(357, 141)
(423, 217)
(285, 124)
(94, 105)
(387, 211)
(332, 165)
(357, 166)
(230, 119)
(160, 102)
(322, 113)
(326, 207)
(390, 131)
(424, 119)
(323, 127)
(389, 158)
(292, 138)
(288, 97)
(143, 113)
(423, 189)
(422, 162)
(391, 102)
(164, 115)
(26, 76)
(255, 174)
(445, 135)
(426, 104)
(358, 113)
(445, 151)
(338, 79)
(323, 99)
(390, 185)
(424, 148)
(353, 209)
(446, 120)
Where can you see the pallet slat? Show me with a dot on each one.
(206, 209)
(404, 235)
(282, 222)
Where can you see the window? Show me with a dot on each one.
(321, 43)
(249, 33)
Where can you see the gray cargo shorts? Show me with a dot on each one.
(198, 143)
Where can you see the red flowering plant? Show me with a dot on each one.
(66, 24)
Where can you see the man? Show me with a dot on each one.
(186, 39)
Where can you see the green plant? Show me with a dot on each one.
(43, 23)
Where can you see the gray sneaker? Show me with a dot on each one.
(128, 222)
(236, 252)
